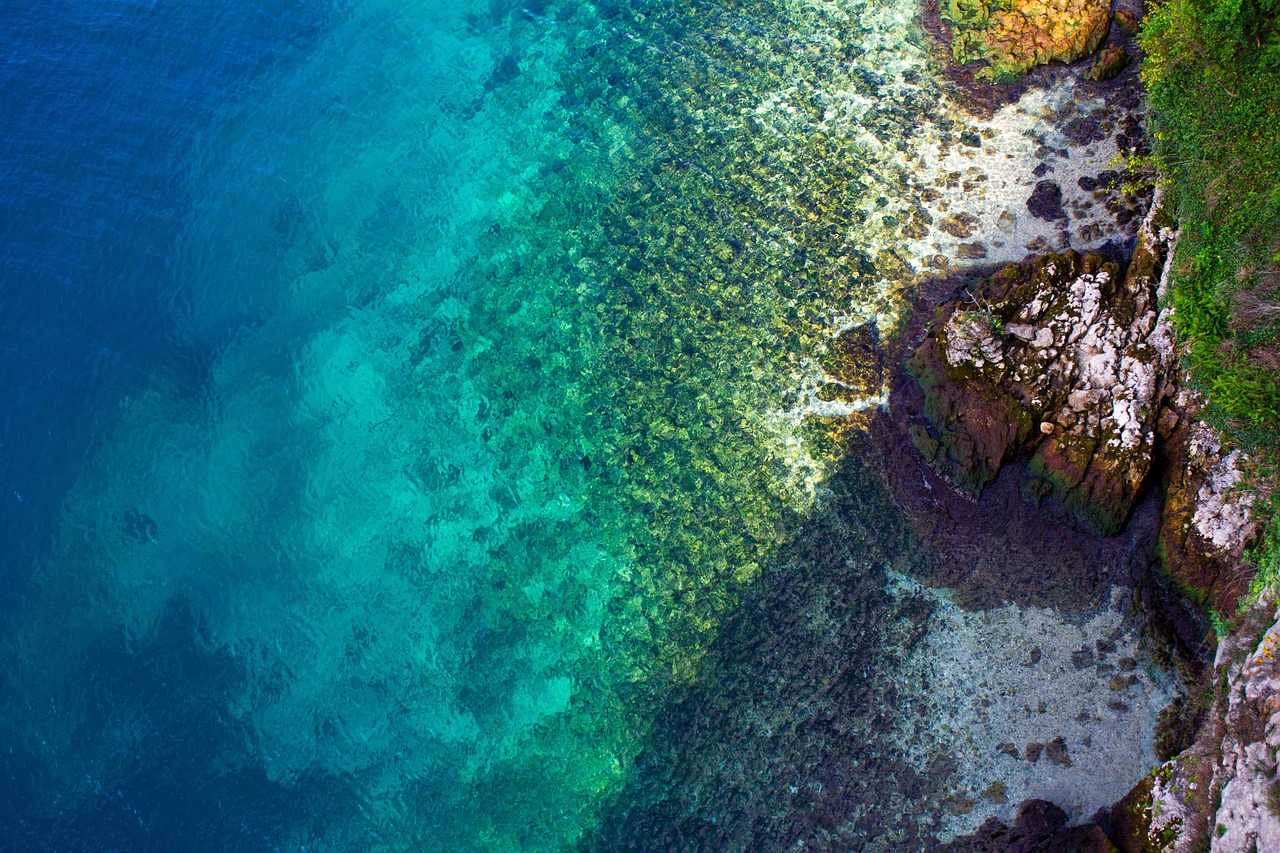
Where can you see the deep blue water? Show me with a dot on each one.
(102, 107)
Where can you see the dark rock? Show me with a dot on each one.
(1041, 170)
(1033, 751)
(1126, 664)
(1082, 657)
(1176, 727)
(1108, 179)
(1045, 202)
(1057, 752)
(1105, 647)
(1110, 62)
(1084, 130)
(971, 251)
(1041, 827)
(1128, 21)
(1040, 816)
(971, 139)
(1034, 657)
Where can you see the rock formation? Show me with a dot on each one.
(1222, 792)
(1062, 358)
(1208, 513)
(1016, 36)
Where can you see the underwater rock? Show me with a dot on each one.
(1062, 340)
(855, 361)
(1056, 751)
(1045, 201)
(959, 224)
(1041, 827)
(1014, 37)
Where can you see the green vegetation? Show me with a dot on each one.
(1213, 74)
(1266, 557)
(1212, 71)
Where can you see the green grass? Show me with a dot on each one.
(1212, 71)
(1213, 75)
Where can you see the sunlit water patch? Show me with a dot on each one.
(530, 305)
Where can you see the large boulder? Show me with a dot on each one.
(1059, 358)
(1014, 36)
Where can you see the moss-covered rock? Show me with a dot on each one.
(1014, 36)
(1113, 59)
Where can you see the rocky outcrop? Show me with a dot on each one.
(1061, 358)
(1222, 793)
(1014, 36)
(1110, 62)
(1208, 519)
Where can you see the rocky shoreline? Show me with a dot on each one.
(1046, 396)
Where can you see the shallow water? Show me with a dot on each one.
(401, 396)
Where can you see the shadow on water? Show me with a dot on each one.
(173, 770)
(787, 737)
(784, 737)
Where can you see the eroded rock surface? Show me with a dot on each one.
(1208, 515)
(1221, 794)
(1016, 36)
(1060, 357)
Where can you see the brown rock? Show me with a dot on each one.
(1128, 21)
(959, 224)
(1113, 59)
(1057, 752)
(996, 792)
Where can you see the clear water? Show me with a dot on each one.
(399, 395)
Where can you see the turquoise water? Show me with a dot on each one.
(464, 394)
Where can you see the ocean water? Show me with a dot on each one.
(400, 396)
